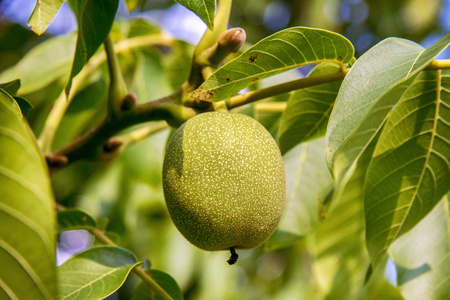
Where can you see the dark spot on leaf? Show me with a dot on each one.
(340, 56)
(203, 95)
(253, 58)
(227, 79)
(255, 79)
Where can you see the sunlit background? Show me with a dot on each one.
(364, 23)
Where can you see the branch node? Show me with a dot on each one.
(55, 161)
(112, 145)
(129, 102)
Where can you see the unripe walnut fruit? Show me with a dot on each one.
(224, 181)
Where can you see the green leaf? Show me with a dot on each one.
(308, 184)
(74, 219)
(95, 273)
(410, 171)
(203, 8)
(308, 110)
(422, 256)
(11, 87)
(282, 51)
(94, 20)
(372, 87)
(48, 61)
(43, 13)
(144, 292)
(27, 231)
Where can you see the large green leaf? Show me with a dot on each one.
(410, 171)
(45, 63)
(43, 13)
(144, 292)
(307, 112)
(27, 217)
(280, 52)
(203, 8)
(422, 257)
(94, 20)
(372, 87)
(95, 273)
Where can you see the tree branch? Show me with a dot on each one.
(270, 107)
(285, 87)
(439, 64)
(171, 110)
(89, 145)
(221, 18)
(53, 121)
(205, 52)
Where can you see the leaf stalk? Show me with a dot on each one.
(285, 87)
(117, 87)
(63, 101)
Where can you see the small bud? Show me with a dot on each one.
(128, 102)
(112, 145)
(232, 40)
(55, 161)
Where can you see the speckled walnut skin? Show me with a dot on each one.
(224, 181)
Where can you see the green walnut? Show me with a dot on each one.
(224, 182)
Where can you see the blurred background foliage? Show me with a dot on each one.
(303, 260)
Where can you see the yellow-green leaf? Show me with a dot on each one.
(27, 217)
(95, 273)
(372, 87)
(410, 170)
(43, 13)
(282, 51)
